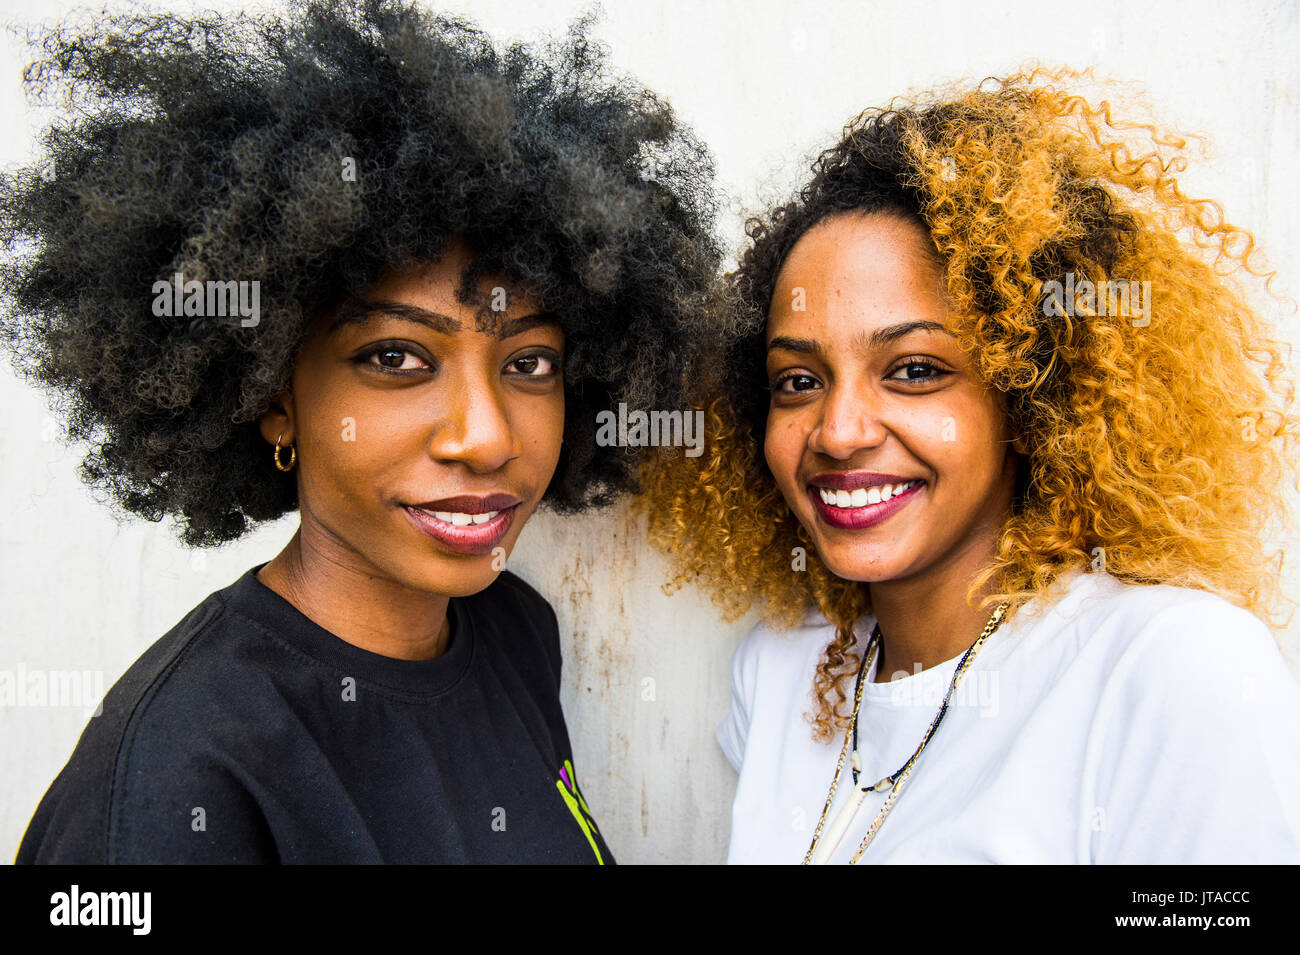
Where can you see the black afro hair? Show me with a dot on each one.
(219, 147)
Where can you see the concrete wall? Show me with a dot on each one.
(765, 84)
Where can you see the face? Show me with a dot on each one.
(424, 442)
(885, 444)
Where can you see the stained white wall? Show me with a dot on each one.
(764, 83)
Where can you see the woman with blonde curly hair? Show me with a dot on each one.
(1004, 497)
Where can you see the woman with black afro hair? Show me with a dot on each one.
(358, 262)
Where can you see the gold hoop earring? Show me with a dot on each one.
(293, 455)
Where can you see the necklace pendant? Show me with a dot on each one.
(839, 826)
(822, 849)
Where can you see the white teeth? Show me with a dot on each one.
(458, 519)
(862, 497)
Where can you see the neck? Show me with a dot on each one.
(356, 603)
(925, 620)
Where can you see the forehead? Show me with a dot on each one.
(858, 268)
(433, 293)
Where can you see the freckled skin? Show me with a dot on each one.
(474, 414)
(913, 407)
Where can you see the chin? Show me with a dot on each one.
(453, 577)
(849, 564)
(467, 587)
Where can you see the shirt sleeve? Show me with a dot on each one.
(161, 806)
(187, 811)
(734, 730)
(1196, 745)
(142, 786)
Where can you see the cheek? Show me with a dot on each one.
(783, 445)
(539, 425)
(355, 438)
(970, 436)
(323, 448)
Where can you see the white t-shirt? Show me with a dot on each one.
(1122, 724)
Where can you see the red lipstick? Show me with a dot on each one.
(450, 521)
(471, 504)
(852, 480)
(866, 515)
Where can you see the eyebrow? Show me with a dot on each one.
(359, 312)
(877, 339)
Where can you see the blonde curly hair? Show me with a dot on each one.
(1160, 444)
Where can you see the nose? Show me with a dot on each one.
(475, 428)
(850, 421)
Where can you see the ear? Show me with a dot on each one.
(277, 422)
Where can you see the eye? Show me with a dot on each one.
(916, 370)
(537, 365)
(392, 358)
(793, 383)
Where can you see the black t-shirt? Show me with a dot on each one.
(250, 734)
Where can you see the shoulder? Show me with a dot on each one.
(772, 675)
(1196, 672)
(1184, 632)
(1198, 658)
(142, 740)
(1194, 729)
(765, 643)
(769, 659)
(166, 670)
(513, 592)
(510, 607)
(512, 603)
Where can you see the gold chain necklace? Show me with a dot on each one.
(895, 781)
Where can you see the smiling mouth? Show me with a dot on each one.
(862, 506)
(862, 496)
(459, 518)
(472, 526)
